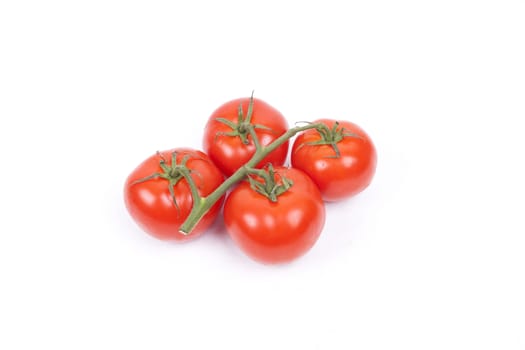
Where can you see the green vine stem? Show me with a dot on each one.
(201, 205)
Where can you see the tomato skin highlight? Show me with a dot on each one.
(277, 232)
(337, 178)
(229, 153)
(150, 203)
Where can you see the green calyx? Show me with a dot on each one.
(272, 185)
(331, 137)
(243, 127)
(172, 173)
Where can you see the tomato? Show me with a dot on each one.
(337, 177)
(276, 232)
(159, 211)
(226, 138)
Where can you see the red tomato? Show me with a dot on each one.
(227, 150)
(276, 232)
(337, 177)
(161, 213)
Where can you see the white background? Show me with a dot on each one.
(430, 256)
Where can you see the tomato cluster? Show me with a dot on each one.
(274, 213)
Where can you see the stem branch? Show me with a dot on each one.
(201, 205)
(255, 138)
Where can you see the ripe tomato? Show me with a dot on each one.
(337, 177)
(226, 138)
(276, 232)
(160, 211)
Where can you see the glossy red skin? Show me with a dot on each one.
(337, 178)
(230, 153)
(276, 232)
(150, 203)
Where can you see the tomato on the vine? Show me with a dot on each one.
(340, 159)
(227, 136)
(275, 231)
(158, 196)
